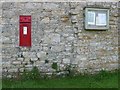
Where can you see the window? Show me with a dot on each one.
(96, 18)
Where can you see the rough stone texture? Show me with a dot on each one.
(58, 35)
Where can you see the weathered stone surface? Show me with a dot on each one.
(51, 6)
(71, 38)
(55, 38)
(16, 62)
(25, 54)
(52, 38)
(27, 59)
(13, 70)
(74, 11)
(66, 61)
(34, 59)
(29, 66)
(65, 18)
(41, 54)
(9, 76)
(58, 35)
(20, 59)
(45, 20)
(57, 48)
(21, 69)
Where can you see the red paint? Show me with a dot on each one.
(25, 39)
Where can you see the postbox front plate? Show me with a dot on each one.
(25, 31)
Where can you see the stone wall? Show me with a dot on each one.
(58, 36)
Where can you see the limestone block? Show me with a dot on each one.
(25, 62)
(74, 17)
(33, 59)
(45, 20)
(45, 48)
(47, 39)
(65, 34)
(12, 70)
(29, 66)
(57, 48)
(66, 60)
(55, 38)
(9, 76)
(49, 30)
(26, 54)
(21, 69)
(32, 54)
(42, 63)
(71, 38)
(7, 6)
(29, 5)
(61, 66)
(52, 38)
(27, 59)
(29, 54)
(6, 64)
(16, 62)
(51, 6)
(6, 39)
(37, 63)
(64, 18)
(36, 48)
(68, 48)
(112, 66)
(82, 64)
(79, 58)
(74, 21)
(20, 59)
(41, 54)
(74, 11)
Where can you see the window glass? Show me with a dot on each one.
(101, 19)
(91, 18)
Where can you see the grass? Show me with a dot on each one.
(101, 80)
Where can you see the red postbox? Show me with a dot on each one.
(25, 31)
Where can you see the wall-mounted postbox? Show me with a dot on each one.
(25, 31)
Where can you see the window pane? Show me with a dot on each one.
(101, 19)
(91, 18)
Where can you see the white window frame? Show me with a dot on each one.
(98, 14)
